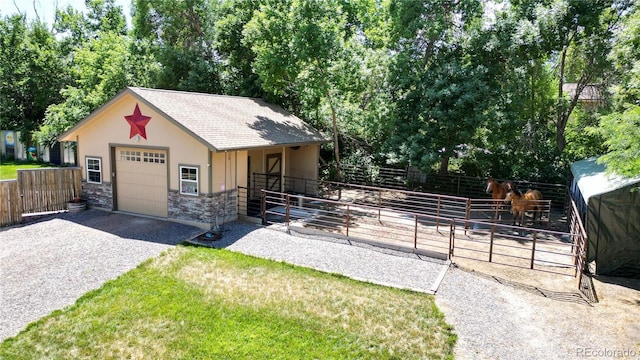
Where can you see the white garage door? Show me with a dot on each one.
(141, 178)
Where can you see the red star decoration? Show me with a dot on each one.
(137, 122)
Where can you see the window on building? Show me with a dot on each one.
(94, 170)
(188, 180)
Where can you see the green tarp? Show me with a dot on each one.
(612, 218)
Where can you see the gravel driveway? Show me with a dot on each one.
(49, 264)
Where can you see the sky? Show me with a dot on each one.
(46, 8)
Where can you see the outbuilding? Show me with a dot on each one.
(183, 155)
(610, 209)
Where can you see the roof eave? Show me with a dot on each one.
(241, 148)
(66, 136)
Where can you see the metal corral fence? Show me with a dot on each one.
(432, 204)
(555, 195)
(392, 229)
(249, 201)
(442, 236)
(474, 187)
(38, 190)
(466, 186)
(576, 227)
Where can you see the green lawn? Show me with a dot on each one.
(9, 169)
(197, 303)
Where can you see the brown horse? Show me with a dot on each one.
(497, 190)
(524, 202)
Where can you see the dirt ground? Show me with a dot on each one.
(559, 302)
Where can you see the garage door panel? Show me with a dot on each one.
(141, 176)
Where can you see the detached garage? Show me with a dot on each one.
(182, 156)
(610, 209)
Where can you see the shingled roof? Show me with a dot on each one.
(228, 122)
(591, 92)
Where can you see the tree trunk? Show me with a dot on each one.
(336, 148)
(444, 165)
(562, 120)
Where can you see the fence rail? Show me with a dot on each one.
(38, 190)
(422, 231)
(466, 186)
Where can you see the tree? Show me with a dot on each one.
(299, 46)
(622, 131)
(75, 28)
(237, 57)
(440, 89)
(101, 65)
(578, 34)
(181, 35)
(621, 128)
(31, 74)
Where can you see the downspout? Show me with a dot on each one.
(598, 231)
(224, 205)
(210, 166)
(284, 169)
(210, 184)
(236, 184)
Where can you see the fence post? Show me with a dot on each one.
(467, 216)
(438, 215)
(348, 220)
(493, 231)
(452, 229)
(263, 206)
(287, 210)
(379, 203)
(415, 233)
(533, 249)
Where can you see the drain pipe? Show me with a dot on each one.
(224, 206)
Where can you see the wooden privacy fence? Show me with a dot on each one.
(38, 190)
(10, 203)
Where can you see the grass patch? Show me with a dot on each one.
(9, 169)
(195, 303)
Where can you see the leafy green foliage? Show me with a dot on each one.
(427, 83)
(102, 68)
(102, 61)
(31, 74)
(622, 131)
(181, 37)
(621, 128)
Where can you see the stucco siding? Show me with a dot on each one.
(109, 129)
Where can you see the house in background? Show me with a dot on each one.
(591, 97)
(182, 156)
(12, 148)
(609, 206)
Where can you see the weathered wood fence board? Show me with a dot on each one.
(38, 190)
(10, 203)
